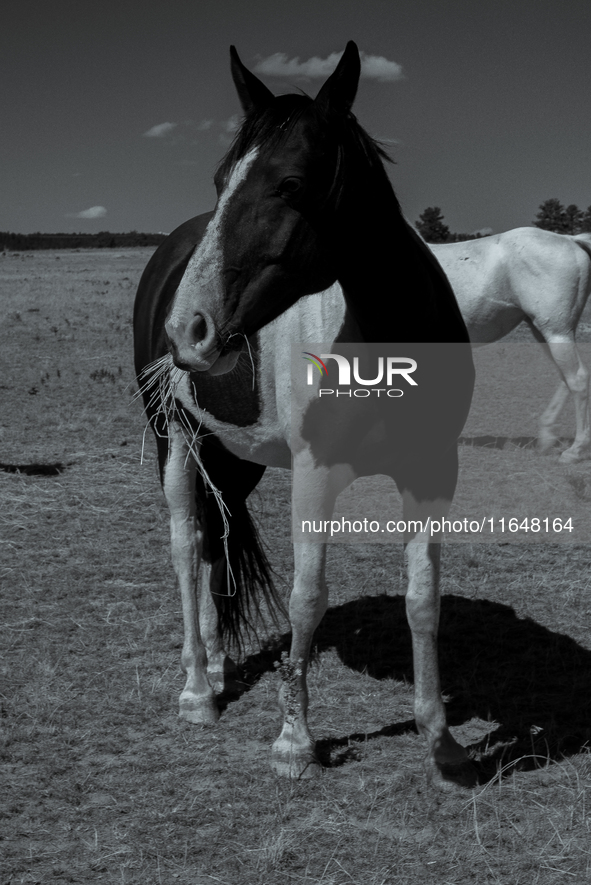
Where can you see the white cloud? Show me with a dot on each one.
(376, 67)
(228, 127)
(204, 125)
(93, 212)
(160, 130)
(373, 67)
(279, 65)
(231, 124)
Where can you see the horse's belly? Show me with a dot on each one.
(478, 272)
(488, 322)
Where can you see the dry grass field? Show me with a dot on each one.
(101, 781)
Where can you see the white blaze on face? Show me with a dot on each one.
(202, 285)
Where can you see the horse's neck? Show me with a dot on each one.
(393, 286)
(374, 272)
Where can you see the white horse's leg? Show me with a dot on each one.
(566, 356)
(293, 751)
(446, 761)
(221, 669)
(197, 701)
(547, 435)
(562, 349)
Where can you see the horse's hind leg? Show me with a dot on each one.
(566, 356)
(547, 435)
(574, 380)
(197, 701)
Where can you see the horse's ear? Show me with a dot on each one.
(253, 94)
(339, 91)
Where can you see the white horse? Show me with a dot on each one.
(542, 278)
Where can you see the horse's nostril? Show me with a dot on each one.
(197, 329)
(191, 342)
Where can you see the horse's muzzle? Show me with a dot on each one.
(194, 344)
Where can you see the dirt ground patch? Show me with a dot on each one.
(100, 779)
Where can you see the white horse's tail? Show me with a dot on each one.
(584, 241)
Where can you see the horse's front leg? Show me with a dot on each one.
(446, 761)
(315, 490)
(197, 701)
(293, 751)
(222, 672)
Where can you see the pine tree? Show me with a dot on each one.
(574, 219)
(552, 216)
(431, 227)
(586, 222)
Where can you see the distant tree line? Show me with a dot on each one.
(552, 215)
(432, 228)
(102, 240)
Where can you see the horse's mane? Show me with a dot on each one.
(356, 148)
(270, 127)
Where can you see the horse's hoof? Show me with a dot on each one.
(199, 711)
(570, 457)
(226, 680)
(288, 763)
(222, 682)
(544, 445)
(450, 778)
(296, 768)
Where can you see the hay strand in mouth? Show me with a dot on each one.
(158, 385)
(249, 351)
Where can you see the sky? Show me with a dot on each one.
(114, 115)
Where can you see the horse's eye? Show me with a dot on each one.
(290, 187)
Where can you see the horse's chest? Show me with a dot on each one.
(235, 410)
(229, 399)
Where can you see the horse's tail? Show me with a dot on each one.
(584, 241)
(246, 592)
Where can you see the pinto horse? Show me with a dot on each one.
(542, 278)
(303, 202)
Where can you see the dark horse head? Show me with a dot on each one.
(304, 200)
(265, 245)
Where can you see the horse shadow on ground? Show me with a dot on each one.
(534, 684)
(34, 469)
(502, 442)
